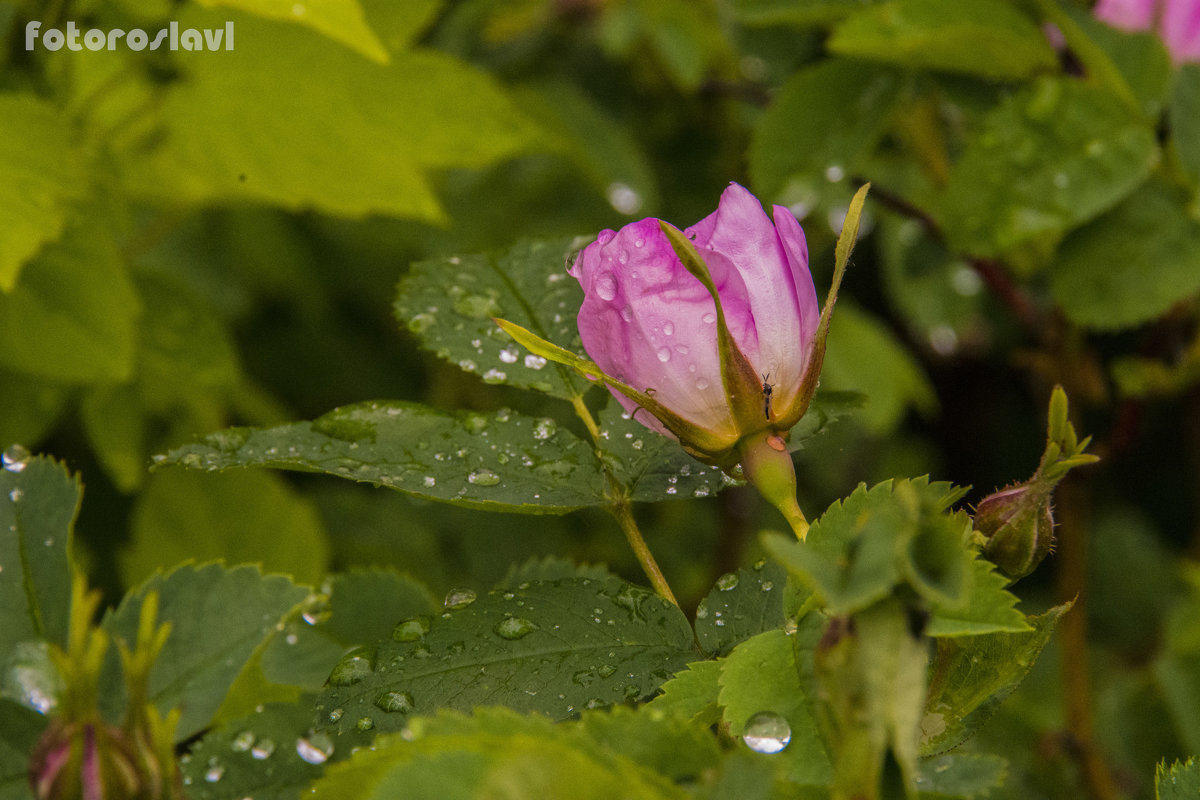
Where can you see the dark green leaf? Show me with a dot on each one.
(501, 461)
(251, 517)
(972, 676)
(219, 617)
(1046, 159)
(990, 38)
(742, 604)
(550, 568)
(1185, 119)
(761, 674)
(692, 693)
(556, 648)
(38, 502)
(821, 125)
(1131, 265)
(668, 745)
(43, 174)
(989, 608)
(965, 776)
(809, 12)
(1178, 781)
(449, 305)
(18, 735)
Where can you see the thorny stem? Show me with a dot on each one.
(624, 516)
(623, 513)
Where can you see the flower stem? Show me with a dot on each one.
(623, 513)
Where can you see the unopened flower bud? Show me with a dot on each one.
(88, 761)
(1018, 527)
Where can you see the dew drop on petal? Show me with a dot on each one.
(767, 732)
(664, 354)
(668, 328)
(702, 384)
(708, 318)
(606, 286)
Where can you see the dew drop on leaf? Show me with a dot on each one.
(509, 354)
(15, 458)
(544, 428)
(514, 628)
(364, 724)
(767, 732)
(727, 581)
(483, 477)
(263, 750)
(393, 702)
(215, 773)
(315, 748)
(459, 598)
(15, 495)
(494, 375)
(350, 670)
(534, 361)
(243, 741)
(410, 630)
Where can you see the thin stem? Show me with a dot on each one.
(621, 510)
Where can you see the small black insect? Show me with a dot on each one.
(767, 389)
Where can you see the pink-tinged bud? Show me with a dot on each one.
(1177, 22)
(1018, 528)
(724, 369)
(85, 761)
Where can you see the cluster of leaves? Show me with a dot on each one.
(190, 240)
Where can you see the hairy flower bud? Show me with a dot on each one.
(1018, 527)
(85, 761)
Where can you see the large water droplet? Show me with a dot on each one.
(606, 286)
(534, 362)
(395, 702)
(494, 375)
(544, 428)
(483, 477)
(459, 598)
(15, 458)
(215, 773)
(727, 581)
(767, 732)
(263, 750)
(31, 678)
(316, 748)
(702, 384)
(351, 669)
(514, 628)
(664, 354)
(509, 354)
(315, 609)
(668, 328)
(410, 630)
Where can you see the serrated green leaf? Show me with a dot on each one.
(692, 693)
(219, 617)
(449, 304)
(258, 756)
(293, 119)
(742, 604)
(341, 20)
(972, 676)
(651, 466)
(823, 122)
(43, 174)
(667, 745)
(990, 607)
(1131, 265)
(73, 317)
(990, 38)
(251, 517)
(1046, 159)
(38, 503)
(761, 674)
(18, 734)
(555, 647)
(863, 356)
(960, 776)
(1180, 781)
(502, 461)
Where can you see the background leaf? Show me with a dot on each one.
(340, 20)
(555, 647)
(741, 604)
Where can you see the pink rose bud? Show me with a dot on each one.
(1018, 526)
(649, 322)
(1177, 22)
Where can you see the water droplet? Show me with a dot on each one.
(483, 477)
(727, 581)
(544, 428)
(15, 458)
(509, 354)
(263, 750)
(15, 495)
(606, 671)
(420, 323)
(834, 173)
(31, 678)
(214, 773)
(467, 365)
(494, 375)
(351, 669)
(767, 732)
(664, 354)
(605, 236)
(429, 481)
(242, 742)
(702, 384)
(316, 609)
(395, 702)
(364, 724)
(767, 586)
(624, 198)
(708, 318)
(534, 362)
(514, 628)
(410, 630)
(606, 286)
(668, 328)
(459, 598)
(315, 748)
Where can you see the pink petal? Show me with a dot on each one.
(1180, 27)
(1129, 15)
